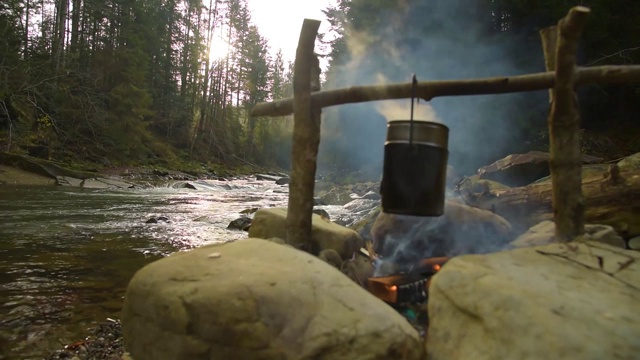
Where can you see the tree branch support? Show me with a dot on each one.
(306, 139)
(565, 158)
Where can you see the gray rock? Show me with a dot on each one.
(118, 184)
(322, 212)
(267, 177)
(94, 184)
(242, 223)
(271, 222)
(559, 301)
(258, 300)
(337, 196)
(371, 195)
(68, 181)
(102, 183)
(283, 181)
(544, 233)
(634, 243)
(331, 257)
(630, 162)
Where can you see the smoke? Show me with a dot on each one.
(436, 40)
(403, 240)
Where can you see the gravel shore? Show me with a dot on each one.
(104, 343)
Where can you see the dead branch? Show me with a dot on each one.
(428, 90)
(619, 53)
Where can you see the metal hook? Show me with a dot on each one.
(414, 84)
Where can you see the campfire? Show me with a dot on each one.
(409, 287)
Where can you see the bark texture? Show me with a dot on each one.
(428, 90)
(306, 139)
(565, 156)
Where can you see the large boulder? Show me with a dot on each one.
(253, 299)
(270, 223)
(544, 233)
(462, 229)
(559, 301)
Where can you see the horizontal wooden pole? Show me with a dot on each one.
(428, 90)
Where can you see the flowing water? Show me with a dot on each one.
(67, 254)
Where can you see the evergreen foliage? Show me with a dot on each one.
(150, 81)
(135, 82)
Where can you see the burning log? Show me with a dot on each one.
(412, 287)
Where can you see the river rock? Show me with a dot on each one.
(462, 229)
(365, 224)
(337, 196)
(258, 300)
(544, 233)
(68, 181)
(242, 223)
(268, 223)
(102, 183)
(267, 177)
(559, 301)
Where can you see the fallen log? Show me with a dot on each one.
(611, 198)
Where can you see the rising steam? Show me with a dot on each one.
(436, 40)
(401, 110)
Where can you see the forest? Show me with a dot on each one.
(122, 82)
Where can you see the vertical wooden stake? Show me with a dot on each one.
(565, 160)
(306, 139)
(549, 37)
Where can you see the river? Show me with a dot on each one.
(67, 254)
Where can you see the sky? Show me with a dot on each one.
(280, 21)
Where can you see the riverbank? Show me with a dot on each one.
(17, 169)
(10, 175)
(105, 342)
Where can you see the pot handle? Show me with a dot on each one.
(414, 84)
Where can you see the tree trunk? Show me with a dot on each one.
(75, 25)
(306, 138)
(61, 29)
(27, 9)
